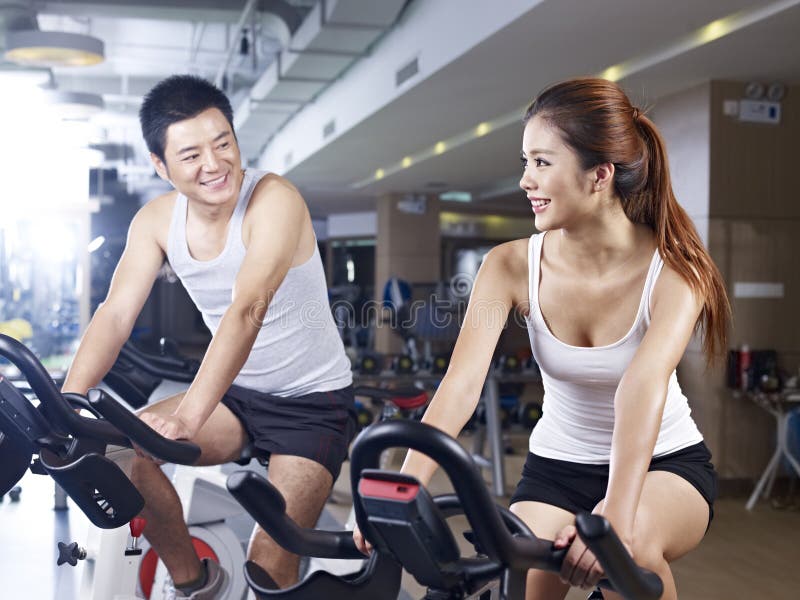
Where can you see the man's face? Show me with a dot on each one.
(201, 158)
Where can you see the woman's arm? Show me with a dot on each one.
(498, 286)
(641, 395)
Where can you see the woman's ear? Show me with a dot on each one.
(603, 175)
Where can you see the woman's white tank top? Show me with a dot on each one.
(580, 384)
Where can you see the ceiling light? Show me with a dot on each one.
(53, 48)
(24, 77)
(74, 105)
(456, 196)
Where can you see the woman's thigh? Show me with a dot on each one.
(672, 517)
(545, 521)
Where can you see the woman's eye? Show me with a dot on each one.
(540, 162)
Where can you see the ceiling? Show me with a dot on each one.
(308, 60)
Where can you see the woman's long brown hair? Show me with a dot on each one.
(598, 121)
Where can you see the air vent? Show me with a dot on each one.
(406, 72)
(329, 128)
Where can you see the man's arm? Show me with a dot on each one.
(275, 219)
(113, 320)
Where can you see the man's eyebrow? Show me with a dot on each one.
(216, 139)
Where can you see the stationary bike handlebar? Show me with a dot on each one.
(491, 534)
(262, 500)
(119, 426)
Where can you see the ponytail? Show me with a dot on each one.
(679, 243)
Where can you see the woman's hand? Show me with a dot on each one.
(361, 543)
(580, 567)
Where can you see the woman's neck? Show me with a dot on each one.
(604, 244)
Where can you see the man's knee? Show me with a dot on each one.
(304, 484)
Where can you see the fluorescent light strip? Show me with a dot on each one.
(708, 33)
(442, 146)
(699, 37)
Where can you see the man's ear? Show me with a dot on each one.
(161, 167)
(603, 176)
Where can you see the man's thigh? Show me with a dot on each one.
(221, 438)
(304, 484)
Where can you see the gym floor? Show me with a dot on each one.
(745, 554)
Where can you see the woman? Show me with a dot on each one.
(611, 292)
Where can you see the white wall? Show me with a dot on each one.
(684, 120)
(358, 224)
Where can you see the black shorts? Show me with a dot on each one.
(318, 426)
(579, 487)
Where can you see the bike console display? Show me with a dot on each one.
(409, 525)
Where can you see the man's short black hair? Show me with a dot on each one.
(174, 99)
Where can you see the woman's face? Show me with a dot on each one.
(558, 188)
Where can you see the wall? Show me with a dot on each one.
(685, 125)
(408, 246)
(753, 214)
(754, 219)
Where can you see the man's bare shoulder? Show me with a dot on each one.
(160, 206)
(273, 198)
(154, 218)
(273, 187)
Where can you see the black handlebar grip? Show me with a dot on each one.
(267, 506)
(628, 579)
(174, 451)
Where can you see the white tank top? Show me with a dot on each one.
(298, 349)
(580, 384)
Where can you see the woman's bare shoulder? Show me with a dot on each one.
(510, 258)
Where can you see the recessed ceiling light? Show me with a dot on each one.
(53, 48)
(27, 77)
(74, 105)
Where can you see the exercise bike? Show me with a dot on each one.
(51, 438)
(139, 377)
(408, 531)
(110, 573)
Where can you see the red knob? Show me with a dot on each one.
(137, 526)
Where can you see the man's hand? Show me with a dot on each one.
(168, 426)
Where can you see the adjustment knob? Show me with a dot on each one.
(137, 526)
(70, 553)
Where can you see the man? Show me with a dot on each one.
(275, 373)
